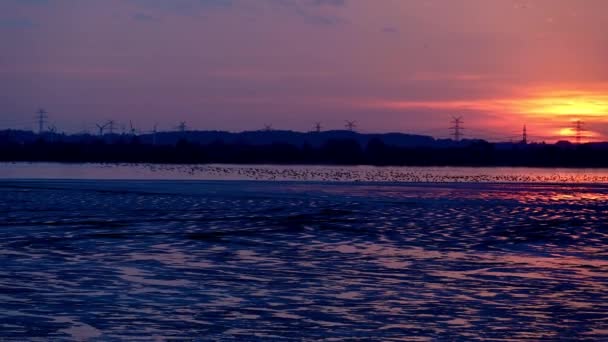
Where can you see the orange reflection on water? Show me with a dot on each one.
(579, 196)
(540, 195)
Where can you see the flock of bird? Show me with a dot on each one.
(380, 174)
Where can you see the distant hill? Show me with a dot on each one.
(313, 139)
(287, 147)
(256, 138)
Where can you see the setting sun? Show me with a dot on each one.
(566, 132)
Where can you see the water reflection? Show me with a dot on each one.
(250, 260)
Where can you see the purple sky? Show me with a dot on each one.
(392, 65)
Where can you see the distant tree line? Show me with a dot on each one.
(333, 151)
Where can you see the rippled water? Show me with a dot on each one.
(260, 260)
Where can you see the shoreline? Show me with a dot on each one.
(302, 173)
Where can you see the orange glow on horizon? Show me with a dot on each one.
(563, 103)
(546, 106)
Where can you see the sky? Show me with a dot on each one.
(390, 65)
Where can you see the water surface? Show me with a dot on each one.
(108, 259)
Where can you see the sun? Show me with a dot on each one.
(569, 133)
(566, 132)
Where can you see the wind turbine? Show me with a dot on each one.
(102, 127)
(132, 129)
(154, 131)
(111, 123)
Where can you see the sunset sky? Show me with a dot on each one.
(391, 65)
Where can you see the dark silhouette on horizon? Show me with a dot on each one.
(287, 147)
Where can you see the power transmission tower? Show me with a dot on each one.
(318, 127)
(350, 125)
(579, 130)
(267, 127)
(457, 127)
(42, 116)
(524, 139)
(182, 126)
